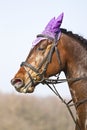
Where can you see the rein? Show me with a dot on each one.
(49, 81)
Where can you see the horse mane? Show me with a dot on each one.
(77, 37)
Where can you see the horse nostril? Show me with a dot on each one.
(17, 83)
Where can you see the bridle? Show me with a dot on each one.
(50, 82)
(45, 61)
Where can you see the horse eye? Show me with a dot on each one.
(42, 46)
(40, 49)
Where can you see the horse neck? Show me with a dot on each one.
(76, 66)
(75, 56)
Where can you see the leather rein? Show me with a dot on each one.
(49, 81)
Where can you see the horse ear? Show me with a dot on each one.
(49, 25)
(57, 23)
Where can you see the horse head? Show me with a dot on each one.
(45, 59)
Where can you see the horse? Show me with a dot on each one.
(53, 51)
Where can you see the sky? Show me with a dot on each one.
(21, 21)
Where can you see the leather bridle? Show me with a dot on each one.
(45, 61)
(48, 81)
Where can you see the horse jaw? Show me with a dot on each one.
(21, 87)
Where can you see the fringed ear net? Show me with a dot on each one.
(56, 26)
(50, 24)
(52, 29)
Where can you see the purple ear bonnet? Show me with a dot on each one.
(52, 28)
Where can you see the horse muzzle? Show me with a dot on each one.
(21, 87)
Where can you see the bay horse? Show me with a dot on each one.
(53, 51)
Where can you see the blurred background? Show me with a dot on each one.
(20, 22)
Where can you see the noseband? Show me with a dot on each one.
(45, 61)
